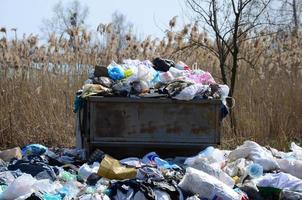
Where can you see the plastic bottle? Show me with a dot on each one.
(255, 170)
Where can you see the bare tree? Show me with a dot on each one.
(66, 19)
(290, 14)
(230, 23)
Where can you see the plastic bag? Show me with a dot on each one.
(149, 158)
(255, 170)
(70, 190)
(145, 73)
(237, 168)
(224, 92)
(212, 155)
(92, 89)
(293, 167)
(132, 161)
(256, 153)
(161, 195)
(85, 170)
(207, 186)
(296, 150)
(112, 169)
(166, 77)
(34, 149)
(181, 66)
(115, 71)
(280, 180)
(190, 92)
(46, 186)
(177, 73)
(201, 164)
(21, 186)
(163, 64)
(204, 78)
(8, 154)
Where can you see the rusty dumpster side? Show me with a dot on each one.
(125, 127)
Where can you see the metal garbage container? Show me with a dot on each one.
(125, 127)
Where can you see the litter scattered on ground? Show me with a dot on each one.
(250, 171)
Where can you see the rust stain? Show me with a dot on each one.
(173, 129)
(149, 129)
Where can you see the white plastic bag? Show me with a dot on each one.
(165, 77)
(253, 151)
(46, 186)
(19, 187)
(293, 167)
(237, 168)
(191, 91)
(85, 170)
(201, 164)
(207, 186)
(161, 195)
(224, 92)
(213, 155)
(145, 73)
(296, 150)
(281, 181)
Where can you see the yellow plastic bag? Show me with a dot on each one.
(112, 169)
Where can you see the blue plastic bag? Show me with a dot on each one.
(116, 72)
(34, 149)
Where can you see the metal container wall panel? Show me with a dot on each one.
(156, 123)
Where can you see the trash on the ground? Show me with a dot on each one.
(112, 169)
(256, 153)
(198, 182)
(250, 171)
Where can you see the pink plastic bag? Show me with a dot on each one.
(205, 78)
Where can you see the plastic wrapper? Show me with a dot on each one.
(112, 169)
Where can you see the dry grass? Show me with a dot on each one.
(36, 103)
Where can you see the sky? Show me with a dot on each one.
(150, 17)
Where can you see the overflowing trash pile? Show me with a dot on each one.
(146, 79)
(248, 172)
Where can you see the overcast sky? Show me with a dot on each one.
(148, 16)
